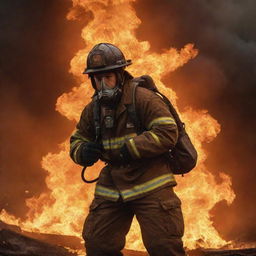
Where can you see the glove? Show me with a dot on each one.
(90, 153)
(125, 154)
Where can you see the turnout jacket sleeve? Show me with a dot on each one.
(160, 132)
(84, 133)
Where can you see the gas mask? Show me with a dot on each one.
(109, 96)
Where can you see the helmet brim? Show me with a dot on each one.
(102, 69)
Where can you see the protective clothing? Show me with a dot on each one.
(90, 152)
(149, 169)
(125, 155)
(141, 186)
(160, 218)
(102, 58)
(105, 57)
(183, 157)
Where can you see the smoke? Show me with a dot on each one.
(222, 80)
(37, 43)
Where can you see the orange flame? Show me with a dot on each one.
(63, 209)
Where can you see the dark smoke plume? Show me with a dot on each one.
(221, 79)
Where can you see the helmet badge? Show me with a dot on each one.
(98, 60)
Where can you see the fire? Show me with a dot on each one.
(63, 209)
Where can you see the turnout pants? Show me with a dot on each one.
(159, 216)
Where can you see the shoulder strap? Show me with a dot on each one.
(133, 114)
(96, 117)
(131, 108)
(180, 124)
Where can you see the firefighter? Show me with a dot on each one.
(137, 179)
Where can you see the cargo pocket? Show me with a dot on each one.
(89, 223)
(173, 217)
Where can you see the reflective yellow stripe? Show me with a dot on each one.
(134, 148)
(148, 186)
(161, 121)
(78, 140)
(156, 138)
(75, 153)
(115, 143)
(103, 191)
(74, 144)
(77, 135)
(158, 94)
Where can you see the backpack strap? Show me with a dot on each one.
(147, 82)
(96, 117)
(131, 108)
(180, 124)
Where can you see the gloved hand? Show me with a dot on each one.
(125, 155)
(90, 153)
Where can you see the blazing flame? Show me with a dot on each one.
(63, 209)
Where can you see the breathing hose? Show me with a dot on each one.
(84, 179)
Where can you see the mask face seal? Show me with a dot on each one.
(109, 96)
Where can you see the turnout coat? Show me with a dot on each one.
(149, 169)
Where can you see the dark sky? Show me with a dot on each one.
(37, 43)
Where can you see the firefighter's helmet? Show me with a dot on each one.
(104, 57)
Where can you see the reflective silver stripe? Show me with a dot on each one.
(148, 186)
(161, 121)
(115, 143)
(103, 191)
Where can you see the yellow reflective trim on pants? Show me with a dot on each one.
(118, 142)
(103, 191)
(134, 148)
(148, 186)
(156, 138)
(161, 121)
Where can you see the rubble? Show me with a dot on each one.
(53, 239)
(223, 252)
(15, 242)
